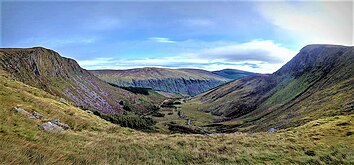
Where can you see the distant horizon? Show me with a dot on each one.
(251, 36)
(163, 68)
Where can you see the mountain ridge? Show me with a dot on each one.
(46, 69)
(185, 81)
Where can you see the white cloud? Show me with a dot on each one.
(257, 50)
(161, 39)
(321, 22)
(269, 58)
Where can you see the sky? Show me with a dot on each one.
(257, 36)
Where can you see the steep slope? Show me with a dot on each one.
(91, 140)
(63, 77)
(233, 74)
(183, 81)
(317, 82)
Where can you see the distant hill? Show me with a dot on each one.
(184, 81)
(233, 73)
(63, 77)
(317, 82)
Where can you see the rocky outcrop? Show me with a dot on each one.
(60, 124)
(51, 127)
(33, 115)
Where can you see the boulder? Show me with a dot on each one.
(60, 124)
(88, 111)
(51, 127)
(24, 112)
(37, 115)
(317, 124)
(62, 100)
(271, 130)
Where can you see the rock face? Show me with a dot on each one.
(63, 77)
(318, 81)
(184, 81)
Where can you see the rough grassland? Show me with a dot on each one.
(94, 141)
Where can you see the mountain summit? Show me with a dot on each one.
(317, 82)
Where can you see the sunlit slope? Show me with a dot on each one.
(91, 140)
(63, 77)
(317, 82)
(183, 81)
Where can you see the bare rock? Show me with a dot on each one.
(51, 127)
(60, 124)
(88, 111)
(317, 124)
(24, 112)
(37, 115)
(272, 130)
(62, 100)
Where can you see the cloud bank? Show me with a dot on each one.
(261, 56)
(161, 39)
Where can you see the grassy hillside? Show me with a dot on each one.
(155, 73)
(91, 140)
(183, 81)
(316, 83)
(233, 74)
(63, 77)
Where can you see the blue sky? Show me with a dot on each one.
(258, 36)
